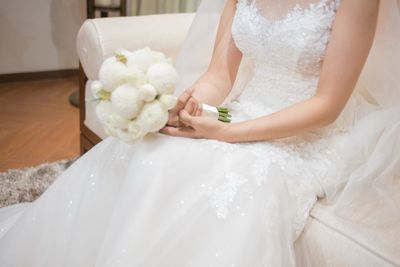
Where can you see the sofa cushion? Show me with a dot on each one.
(335, 240)
(322, 245)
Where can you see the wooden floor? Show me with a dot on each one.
(37, 123)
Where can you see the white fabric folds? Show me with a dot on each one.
(376, 176)
(373, 178)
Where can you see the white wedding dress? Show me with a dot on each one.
(174, 202)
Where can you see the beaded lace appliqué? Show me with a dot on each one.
(223, 195)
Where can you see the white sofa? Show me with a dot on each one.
(329, 240)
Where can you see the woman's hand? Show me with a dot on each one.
(185, 102)
(198, 127)
(173, 114)
(193, 106)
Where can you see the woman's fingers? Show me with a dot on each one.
(183, 99)
(185, 102)
(199, 111)
(182, 132)
(173, 118)
(186, 118)
(196, 107)
(191, 105)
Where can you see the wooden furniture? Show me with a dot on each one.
(92, 7)
(88, 138)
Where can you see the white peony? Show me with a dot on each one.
(109, 117)
(136, 75)
(125, 136)
(136, 89)
(123, 52)
(168, 101)
(159, 57)
(147, 92)
(103, 110)
(153, 117)
(126, 101)
(95, 88)
(113, 73)
(163, 77)
(135, 130)
(118, 121)
(142, 59)
(109, 130)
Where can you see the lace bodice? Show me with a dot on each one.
(287, 52)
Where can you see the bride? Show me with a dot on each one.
(207, 193)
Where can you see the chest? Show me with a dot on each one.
(298, 40)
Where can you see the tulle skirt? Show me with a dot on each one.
(166, 201)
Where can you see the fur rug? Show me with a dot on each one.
(26, 185)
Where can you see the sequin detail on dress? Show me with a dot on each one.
(223, 195)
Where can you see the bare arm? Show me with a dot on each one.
(351, 39)
(214, 85)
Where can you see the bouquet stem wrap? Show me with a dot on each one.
(219, 113)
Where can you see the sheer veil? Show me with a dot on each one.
(195, 55)
(371, 177)
(196, 52)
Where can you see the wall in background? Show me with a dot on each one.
(39, 35)
(164, 6)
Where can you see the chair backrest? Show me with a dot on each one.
(99, 38)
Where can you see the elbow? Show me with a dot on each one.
(329, 113)
(332, 115)
(329, 119)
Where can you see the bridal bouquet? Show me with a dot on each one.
(135, 92)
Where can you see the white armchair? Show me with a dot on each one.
(329, 240)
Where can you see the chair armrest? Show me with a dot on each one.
(100, 38)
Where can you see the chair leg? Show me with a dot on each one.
(86, 145)
(138, 7)
(123, 8)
